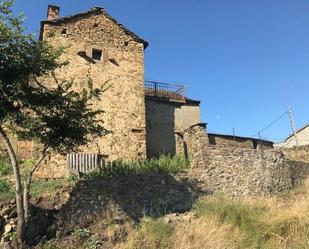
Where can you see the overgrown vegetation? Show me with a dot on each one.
(57, 117)
(5, 166)
(43, 186)
(151, 234)
(39, 187)
(6, 191)
(164, 163)
(219, 222)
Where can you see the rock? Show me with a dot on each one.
(12, 201)
(5, 210)
(7, 229)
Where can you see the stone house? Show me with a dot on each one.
(146, 118)
(301, 138)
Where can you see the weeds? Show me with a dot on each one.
(6, 191)
(92, 244)
(44, 186)
(5, 166)
(164, 163)
(51, 245)
(257, 226)
(151, 234)
(81, 232)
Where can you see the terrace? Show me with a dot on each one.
(165, 90)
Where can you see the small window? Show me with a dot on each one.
(96, 54)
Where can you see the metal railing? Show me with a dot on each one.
(166, 90)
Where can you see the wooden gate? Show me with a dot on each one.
(83, 162)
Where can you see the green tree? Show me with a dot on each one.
(58, 118)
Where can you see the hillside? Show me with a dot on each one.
(154, 209)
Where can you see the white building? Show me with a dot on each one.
(302, 136)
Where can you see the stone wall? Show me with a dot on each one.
(221, 140)
(237, 171)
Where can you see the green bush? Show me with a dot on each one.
(81, 233)
(6, 191)
(5, 166)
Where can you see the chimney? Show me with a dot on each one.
(53, 12)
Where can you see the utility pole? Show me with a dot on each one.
(234, 133)
(260, 135)
(293, 125)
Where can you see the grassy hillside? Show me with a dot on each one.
(214, 222)
(220, 222)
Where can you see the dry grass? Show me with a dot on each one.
(280, 222)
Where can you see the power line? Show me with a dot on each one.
(270, 124)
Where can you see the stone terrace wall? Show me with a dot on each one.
(240, 171)
(236, 171)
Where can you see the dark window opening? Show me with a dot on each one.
(96, 54)
(63, 31)
(255, 144)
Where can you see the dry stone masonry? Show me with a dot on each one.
(238, 171)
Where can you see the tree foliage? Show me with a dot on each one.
(58, 117)
(53, 115)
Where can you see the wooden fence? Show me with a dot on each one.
(84, 163)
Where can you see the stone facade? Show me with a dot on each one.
(166, 121)
(121, 64)
(98, 47)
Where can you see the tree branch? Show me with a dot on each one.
(18, 186)
(43, 155)
(28, 184)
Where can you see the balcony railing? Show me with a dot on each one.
(165, 90)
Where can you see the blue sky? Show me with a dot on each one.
(247, 61)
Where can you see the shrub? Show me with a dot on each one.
(5, 166)
(6, 191)
(81, 233)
